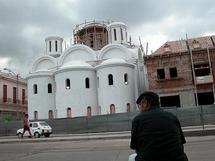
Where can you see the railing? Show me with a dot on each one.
(10, 101)
(90, 23)
(188, 116)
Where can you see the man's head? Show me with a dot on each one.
(148, 100)
(26, 115)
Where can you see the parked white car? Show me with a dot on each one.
(39, 128)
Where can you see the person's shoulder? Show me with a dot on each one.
(169, 114)
(138, 117)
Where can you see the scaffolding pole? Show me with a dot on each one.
(194, 77)
(211, 72)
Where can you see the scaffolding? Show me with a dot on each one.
(92, 33)
(194, 74)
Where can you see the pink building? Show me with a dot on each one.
(13, 97)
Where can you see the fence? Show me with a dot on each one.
(188, 116)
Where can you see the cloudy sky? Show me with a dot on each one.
(24, 24)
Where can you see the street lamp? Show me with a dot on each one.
(17, 85)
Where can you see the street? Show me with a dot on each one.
(197, 149)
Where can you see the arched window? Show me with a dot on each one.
(49, 88)
(128, 107)
(126, 78)
(87, 83)
(110, 79)
(112, 108)
(51, 114)
(35, 89)
(50, 46)
(89, 111)
(69, 112)
(67, 83)
(114, 31)
(56, 46)
(35, 115)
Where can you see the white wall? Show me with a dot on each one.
(53, 49)
(80, 55)
(120, 39)
(45, 64)
(78, 98)
(118, 94)
(115, 53)
(42, 101)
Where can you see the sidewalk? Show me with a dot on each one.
(188, 131)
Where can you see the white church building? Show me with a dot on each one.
(101, 73)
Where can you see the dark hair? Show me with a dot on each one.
(26, 115)
(151, 97)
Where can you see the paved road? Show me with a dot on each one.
(197, 149)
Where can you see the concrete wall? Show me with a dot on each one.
(189, 116)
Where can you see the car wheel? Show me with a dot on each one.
(36, 134)
(47, 135)
(19, 135)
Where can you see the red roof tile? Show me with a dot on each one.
(181, 46)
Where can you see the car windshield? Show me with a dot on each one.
(43, 124)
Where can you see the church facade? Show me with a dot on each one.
(101, 73)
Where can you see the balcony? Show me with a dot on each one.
(204, 79)
(9, 101)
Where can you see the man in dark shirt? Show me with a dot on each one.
(156, 134)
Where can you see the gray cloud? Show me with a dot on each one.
(25, 24)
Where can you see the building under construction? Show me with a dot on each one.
(182, 72)
(93, 34)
